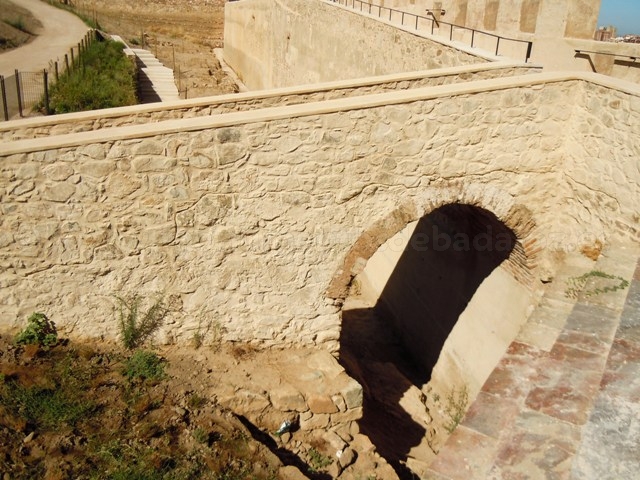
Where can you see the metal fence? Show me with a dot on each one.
(22, 91)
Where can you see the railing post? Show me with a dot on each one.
(417, 21)
(66, 62)
(433, 24)
(497, 46)
(390, 12)
(73, 59)
(402, 20)
(57, 72)
(473, 34)
(3, 91)
(451, 32)
(18, 93)
(45, 76)
(529, 46)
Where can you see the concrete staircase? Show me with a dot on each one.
(564, 402)
(155, 81)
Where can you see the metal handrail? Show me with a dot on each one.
(371, 7)
(633, 58)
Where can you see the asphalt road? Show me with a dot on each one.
(61, 31)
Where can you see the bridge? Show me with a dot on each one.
(293, 216)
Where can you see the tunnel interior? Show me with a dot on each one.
(401, 312)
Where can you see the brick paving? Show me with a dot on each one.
(564, 401)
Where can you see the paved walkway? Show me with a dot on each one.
(61, 31)
(564, 402)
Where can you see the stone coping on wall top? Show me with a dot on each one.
(308, 109)
(255, 95)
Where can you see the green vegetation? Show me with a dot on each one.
(67, 5)
(135, 326)
(144, 365)
(40, 331)
(18, 24)
(104, 78)
(196, 401)
(577, 284)
(318, 461)
(456, 407)
(51, 401)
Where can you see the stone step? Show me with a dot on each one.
(571, 377)
(156, 82)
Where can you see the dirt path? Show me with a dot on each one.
(60, 31)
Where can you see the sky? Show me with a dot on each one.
(623, 14)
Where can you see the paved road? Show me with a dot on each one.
(61, 30)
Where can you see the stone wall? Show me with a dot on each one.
(117, 117)
(293, 42)
(603, 172)
(256, 222)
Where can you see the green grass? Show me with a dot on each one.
(104, 78)
(55, 401)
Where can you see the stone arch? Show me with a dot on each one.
(517, 217)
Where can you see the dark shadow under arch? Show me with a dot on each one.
(397, 343)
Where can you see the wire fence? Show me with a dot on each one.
(21, 92)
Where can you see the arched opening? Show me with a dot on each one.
(425, 323)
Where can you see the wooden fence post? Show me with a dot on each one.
(3, 91)
(45, 77)
(18, 93)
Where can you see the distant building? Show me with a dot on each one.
(605, 34)
(631, 39)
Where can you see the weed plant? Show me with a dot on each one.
(39, 331)
(576, 285)
(136, 326)
(456, 407)
(144, 365)
(104, 78)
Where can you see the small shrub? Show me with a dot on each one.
(456, 407)
(201, 435)
(136, 327)
(144, 365)
(318, 461)
(39, 331)
(196, 401)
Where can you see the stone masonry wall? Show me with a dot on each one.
(295, 42)
(603, 171)
(245, 226)
(59, 125)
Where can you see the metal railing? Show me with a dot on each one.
(415, 21)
